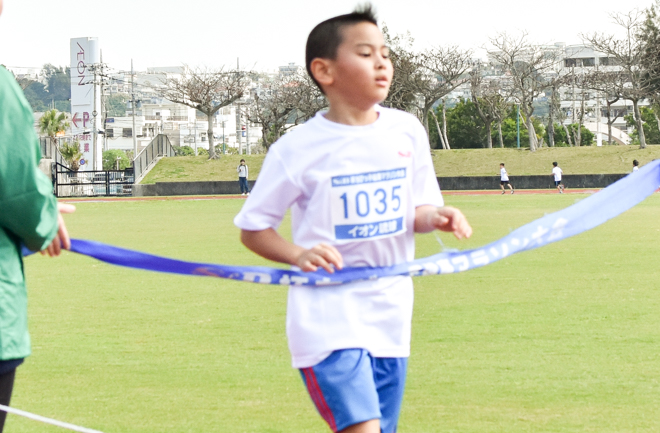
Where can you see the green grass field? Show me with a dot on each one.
(462, 162)
(561, 339)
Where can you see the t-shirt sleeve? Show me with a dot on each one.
(426, 190)
(273, 193)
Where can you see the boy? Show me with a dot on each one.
(359, 180)
(242, 170)
(557, 172)
(635, 165)
(504, 179)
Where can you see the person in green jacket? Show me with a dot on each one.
(28, 216)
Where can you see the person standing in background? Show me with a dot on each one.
(242, 170)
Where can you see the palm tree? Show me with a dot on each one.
(52, 123)
(71, 154)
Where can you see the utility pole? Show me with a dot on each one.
(133, 107)
(104, 114)
(238, 128)
(599, 138)
(247, 132)
(94, 128)
(224, 152)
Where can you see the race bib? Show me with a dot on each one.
(369, 205)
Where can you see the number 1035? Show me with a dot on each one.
(379, 201)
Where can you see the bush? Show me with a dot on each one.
(110, 158)
(184, 151)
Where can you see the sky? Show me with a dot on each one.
(265, 34)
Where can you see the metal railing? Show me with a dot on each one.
(93, 183)
(159, 146)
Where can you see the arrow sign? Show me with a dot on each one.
(75, 120)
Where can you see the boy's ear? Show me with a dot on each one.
(322, 71)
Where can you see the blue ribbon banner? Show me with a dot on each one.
(578, 218)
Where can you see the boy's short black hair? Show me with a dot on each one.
(501, 163)
(555, 164)
(635, 162)
(326, 37)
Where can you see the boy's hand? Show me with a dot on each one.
(322, 255)
(450, 219)
(61, 240)
(446, 218)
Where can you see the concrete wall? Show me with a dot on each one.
(528, 182)
(446, 183)
(189, 188)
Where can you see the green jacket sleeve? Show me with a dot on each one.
(28, 209)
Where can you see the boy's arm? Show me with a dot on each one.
(446, 218)
(270, 245)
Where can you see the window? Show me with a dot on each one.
(110, 133)
(608, 61)
(127, 132)
(589, 62)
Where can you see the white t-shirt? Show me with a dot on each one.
(557, 172)
(635, 168)
(355, 187)
(503, 175)
(242, 170)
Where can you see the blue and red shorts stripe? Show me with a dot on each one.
(350, 386)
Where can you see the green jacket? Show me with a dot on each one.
(28, 212)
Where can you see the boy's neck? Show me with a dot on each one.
(347, 114)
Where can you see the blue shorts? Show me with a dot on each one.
(350, 386)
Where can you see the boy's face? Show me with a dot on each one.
(362, 71)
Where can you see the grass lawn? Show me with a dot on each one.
(462, 162)
(561, 339)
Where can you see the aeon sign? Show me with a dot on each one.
(85, 53)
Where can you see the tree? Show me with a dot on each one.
(53, 123)
(651, 128)
(422, 79)
(35, 93)
(491, 105)
(58, 84)
(650, 36)
(527, 67)
(206, 90)
(407, 71)
(628, 53)
(284, 102)
(115, 105)
(610, 83)
(464, 127)
(71, 154)
(442, 69)
(115, 159)
(510, 129)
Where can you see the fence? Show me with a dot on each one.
(49, 149)
(159, 146)
(92, 183)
